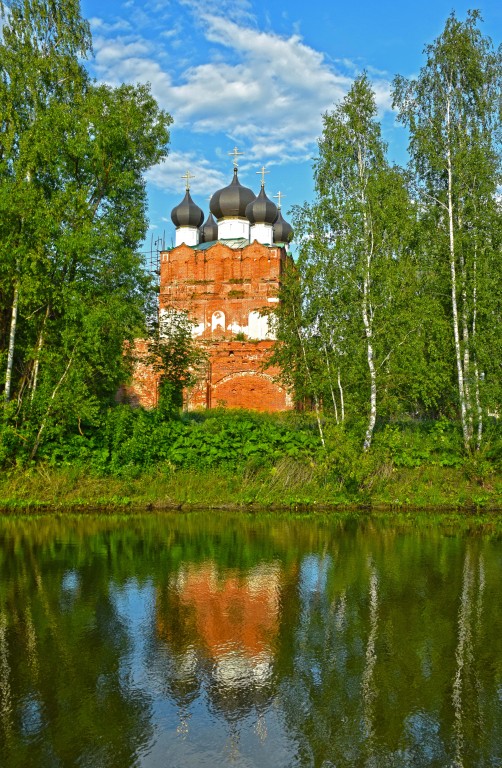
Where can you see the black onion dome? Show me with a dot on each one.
(261, 210)
(232, 200)
(209, 230)
(187, 213)
(283, 232)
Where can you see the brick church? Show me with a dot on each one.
(225, 272)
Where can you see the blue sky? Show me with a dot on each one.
(259, 76)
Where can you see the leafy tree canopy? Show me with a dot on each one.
(73, 155)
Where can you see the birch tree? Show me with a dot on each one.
(353, 245)
(452, 111)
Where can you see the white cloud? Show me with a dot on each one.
(278, 89)
(128, 59)
(383, 95)
(168, 175)
(239, 11)
(119, 25)
(263, 90)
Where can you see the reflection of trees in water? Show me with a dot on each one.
(321, 697)
(5, 692)
(463, 655)
(375, 646)
(474, 721)
(368, 688)
(378, 647)
(85, 693)
(62, 651)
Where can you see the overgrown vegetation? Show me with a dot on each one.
(73, 288)
(221, 458)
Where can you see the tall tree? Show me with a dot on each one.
(39, 51)
(73, 197)
(353, 258)
(452, 111)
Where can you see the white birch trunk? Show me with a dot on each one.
(479, 410)
(12, 343)
(466, 342)
(367, 320)
(333, 398)
(342, 403)
(367, 311)
(456, 333)
(467, 366)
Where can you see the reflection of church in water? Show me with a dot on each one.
(225, 272)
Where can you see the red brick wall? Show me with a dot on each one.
(236, 378)
(234, 282)
(143, 389)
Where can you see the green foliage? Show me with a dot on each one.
(432, 443)
(393, 307)
(176, 357)
(346, 306)
(72, 215)
(365, 321)
(230, 439)
(130, 438)
(452, 112)
(223, 456)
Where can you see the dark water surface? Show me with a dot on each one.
(215, 640)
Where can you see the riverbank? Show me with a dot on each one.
(246, 460)
(287, 485)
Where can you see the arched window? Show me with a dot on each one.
(218, 321)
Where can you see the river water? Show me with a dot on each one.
(218, 640)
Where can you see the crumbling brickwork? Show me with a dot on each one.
(228, 289)
(236, 378)
(233, 282)
(143, 389)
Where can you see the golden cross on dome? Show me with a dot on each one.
(187, 178)
(263, 172)
(280, 195)
(235, 152)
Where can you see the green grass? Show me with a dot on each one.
(289, 484)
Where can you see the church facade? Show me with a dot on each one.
(225, 273)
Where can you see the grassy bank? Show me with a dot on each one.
(241, 459)
(288, 484)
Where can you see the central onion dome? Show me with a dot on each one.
(187, 213)
(209, 230)
(261, 210)
(231, 201)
